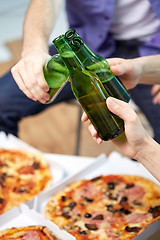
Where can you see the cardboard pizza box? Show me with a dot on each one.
(114, 164)
(23, 216)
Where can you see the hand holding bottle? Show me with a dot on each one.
(136, 142)
(28, 74)
(144, 70)
(128, 71)
(135, 135)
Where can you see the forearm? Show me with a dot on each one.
(38, 24)
(150, 69)
(149, 157)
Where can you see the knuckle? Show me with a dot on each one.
(29, 85)
(133, 118)
(43, 85)
(14, 70)
(26, 61)
(22, 88)
(37, 72)
(28, 94)
(33, 83)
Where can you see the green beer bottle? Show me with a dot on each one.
(90, 93)
(99, 66)
(56, 75)
(55, 72)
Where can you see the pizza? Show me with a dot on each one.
(27, 233)
(113, 207)
(22, 176)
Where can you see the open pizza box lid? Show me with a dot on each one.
(23, 216)
(114, 164)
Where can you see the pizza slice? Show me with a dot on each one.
(22, 176)
(27, 233)
(113, 207)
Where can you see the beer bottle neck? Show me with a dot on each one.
(68, 55)
(86, 56)
(70, 34)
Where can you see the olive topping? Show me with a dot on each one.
(72, 204)
(110, 208)
(3, 177)
(36, 165)
(137, 203)
(112, 197)
(98, 217)
(130, 185)
(88, 215)
(111, 185)
(1, 200)
(123, 201)
(63, 198)
(82, 232)
(91, 226)
(88, 199)
(150, 210)
(22, 190)
(155, 211)
(66, 215)
(132, 229)
(125, 211)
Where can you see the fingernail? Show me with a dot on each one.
(46, 89)
(111, 101)
(42, 101)
(47, 98)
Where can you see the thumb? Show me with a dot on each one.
(121, 68)
(121, 109)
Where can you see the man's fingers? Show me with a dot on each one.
(155, 89)
(114, 61)
(121, 69)
(18, 79)
(121, 109)
(84, 117)
(92, 130)
(156, 99)
(34, 86)
(117, 66)
(94, 134)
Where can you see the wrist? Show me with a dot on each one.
(147, 150)
(149, 69)
(138, 69)
(35, 46)
(148, 156)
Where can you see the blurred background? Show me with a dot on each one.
(55, 130)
